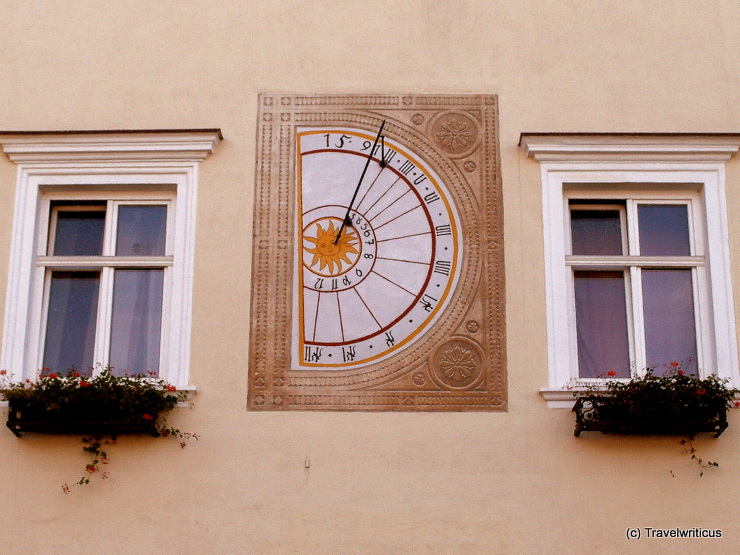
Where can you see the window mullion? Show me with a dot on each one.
(95, 262)
(635, 277)
(572, 325)
(105, 301)
(165, 328)
(633, 237)
(102, 327)
(170, 236)
(638, 320)
(47, 227)
(705, 345)
(630, 308)
(39, 319)
(109, 244)
(595, 262)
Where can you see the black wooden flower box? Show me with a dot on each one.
(21, 420)
(600, 413)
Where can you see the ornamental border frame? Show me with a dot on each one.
(475, 315)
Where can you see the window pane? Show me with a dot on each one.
(137, 321)
(601, 323)
(79, 233)
(664, 230)
(141, 230)
(670, 333)
(70, 324)
(596, 232)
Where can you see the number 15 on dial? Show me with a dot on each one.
(378, 248)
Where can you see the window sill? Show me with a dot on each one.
(558, 398)
(564, 399)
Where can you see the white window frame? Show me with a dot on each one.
(643, 164)
(56, 165)
(107, 264)
(631, 263)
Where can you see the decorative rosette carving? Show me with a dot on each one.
(457, 364)
(455, 133)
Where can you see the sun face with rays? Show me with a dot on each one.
(327, 251)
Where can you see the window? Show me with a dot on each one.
(105, 267)
(636, 279)
(102, 252)
(636, 256)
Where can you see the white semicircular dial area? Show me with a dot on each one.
(377, 258)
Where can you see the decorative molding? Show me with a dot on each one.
(46, 147)
(585, 147)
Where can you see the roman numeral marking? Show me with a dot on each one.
(442, 267)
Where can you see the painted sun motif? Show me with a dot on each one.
(327, 251)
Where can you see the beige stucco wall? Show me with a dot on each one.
(515, 482)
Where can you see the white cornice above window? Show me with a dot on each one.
(88, 146)
(588, 147)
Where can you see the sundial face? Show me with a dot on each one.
(370, 291)
(377, 270)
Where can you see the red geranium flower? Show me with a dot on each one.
(611, 373)
(674, 363)
(84, 384)
(147, 417)
(700, 392)
(53, 375)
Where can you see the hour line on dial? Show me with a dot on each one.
(397, 217)
(367, 307)
(397, 199)
(404, 260)
(396, 284)
(370, 187)
(405, 236)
